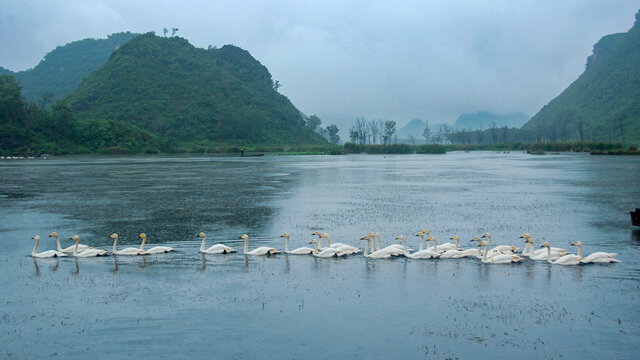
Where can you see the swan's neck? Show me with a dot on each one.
(144, 240)
(286, 244)
(366, 249)
(35, 248)
(421, 242)
(435, 244)
(525, 251)
(404, 245)
(246, 245)
(115, 242)
(378, 241)
(75, 248)
(457, 243)
(549, 254)
(580, 251)
(204, 238)
(486, 249)
(328, 240)
(58, 243)
(317, 248)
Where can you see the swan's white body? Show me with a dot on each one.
(261, 251)
(130, 251)
(569, 259)
(599, 257)
(44, 254)
(299, 251)
(88, 252)
(69, 249)
(540, 254)
(446, 246)
(418, 255)
(380, 254)
(505, 249)
(498, 258)
(458, 252)
(327, 252)
(214, 249)
(347, 249)
(155, 249)
(395, 249)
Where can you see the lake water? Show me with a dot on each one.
(231, 306)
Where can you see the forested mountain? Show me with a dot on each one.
(484, 120)
(62, 69)
(603, 104)
(188, 95)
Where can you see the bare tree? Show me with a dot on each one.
(426, 133)
(411, 139)
(165, 31)
(174, 31)
(389, 131)
(374, 130)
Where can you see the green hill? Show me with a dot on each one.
(603, 104)
(62, 69)
(191, 96)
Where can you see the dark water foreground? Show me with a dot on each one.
(216, 306)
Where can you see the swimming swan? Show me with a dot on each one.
(214, 249)
(44, 254)
(528, 249)
(155, 249)
(379, 254)
(597, 257)
(348, 249)
(261, 251)
(87, 253)
(128, 251)
(69, 249)
(499, 258)
(327, 252)
(501, 248)
(458, 252)
(569, 259)
(418, 255)
(447, 246)
(299, 251)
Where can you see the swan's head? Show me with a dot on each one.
(419, 234)
(528, 240)
(285, 235)
(245, 237)
(53, 234)
(400, 237)
(75, 237)
(525, 236)
(486, 235)
(454, 237)
(545, 245)
(313, 241)
(577, 243)
(200, 234)
(113, 236)
(431, 238)
(475, 238)
(36, 237)
(142, 236)
(480, 243)
(366, 237)
(426, 232)
(316, 233)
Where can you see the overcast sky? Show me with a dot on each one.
(383, 59)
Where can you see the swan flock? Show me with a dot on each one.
(482, 251)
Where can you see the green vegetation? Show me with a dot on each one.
(62, 69)
(27, 129)
(191, 98)
(603, 104)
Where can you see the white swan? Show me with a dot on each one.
(44, 254)
(499, 258)
(597, 257)
(501, 248)
(458, 252)
(379, 254)
(214, 249)
(348, 249)
(261, 251)
(569, 259)
(396, 249)
(155, 249)
(540, 254)
(327, 252)
(446, 246)
(88, 252)
(420, 254)
(299, 251)
(69, 249)
(128, 251)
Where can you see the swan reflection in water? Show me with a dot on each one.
(54, 261)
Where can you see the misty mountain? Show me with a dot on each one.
(484, 120)
(188, 95)
(603, 104)
(62, 69)
(414, 127)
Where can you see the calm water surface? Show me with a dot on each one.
(230, 306)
